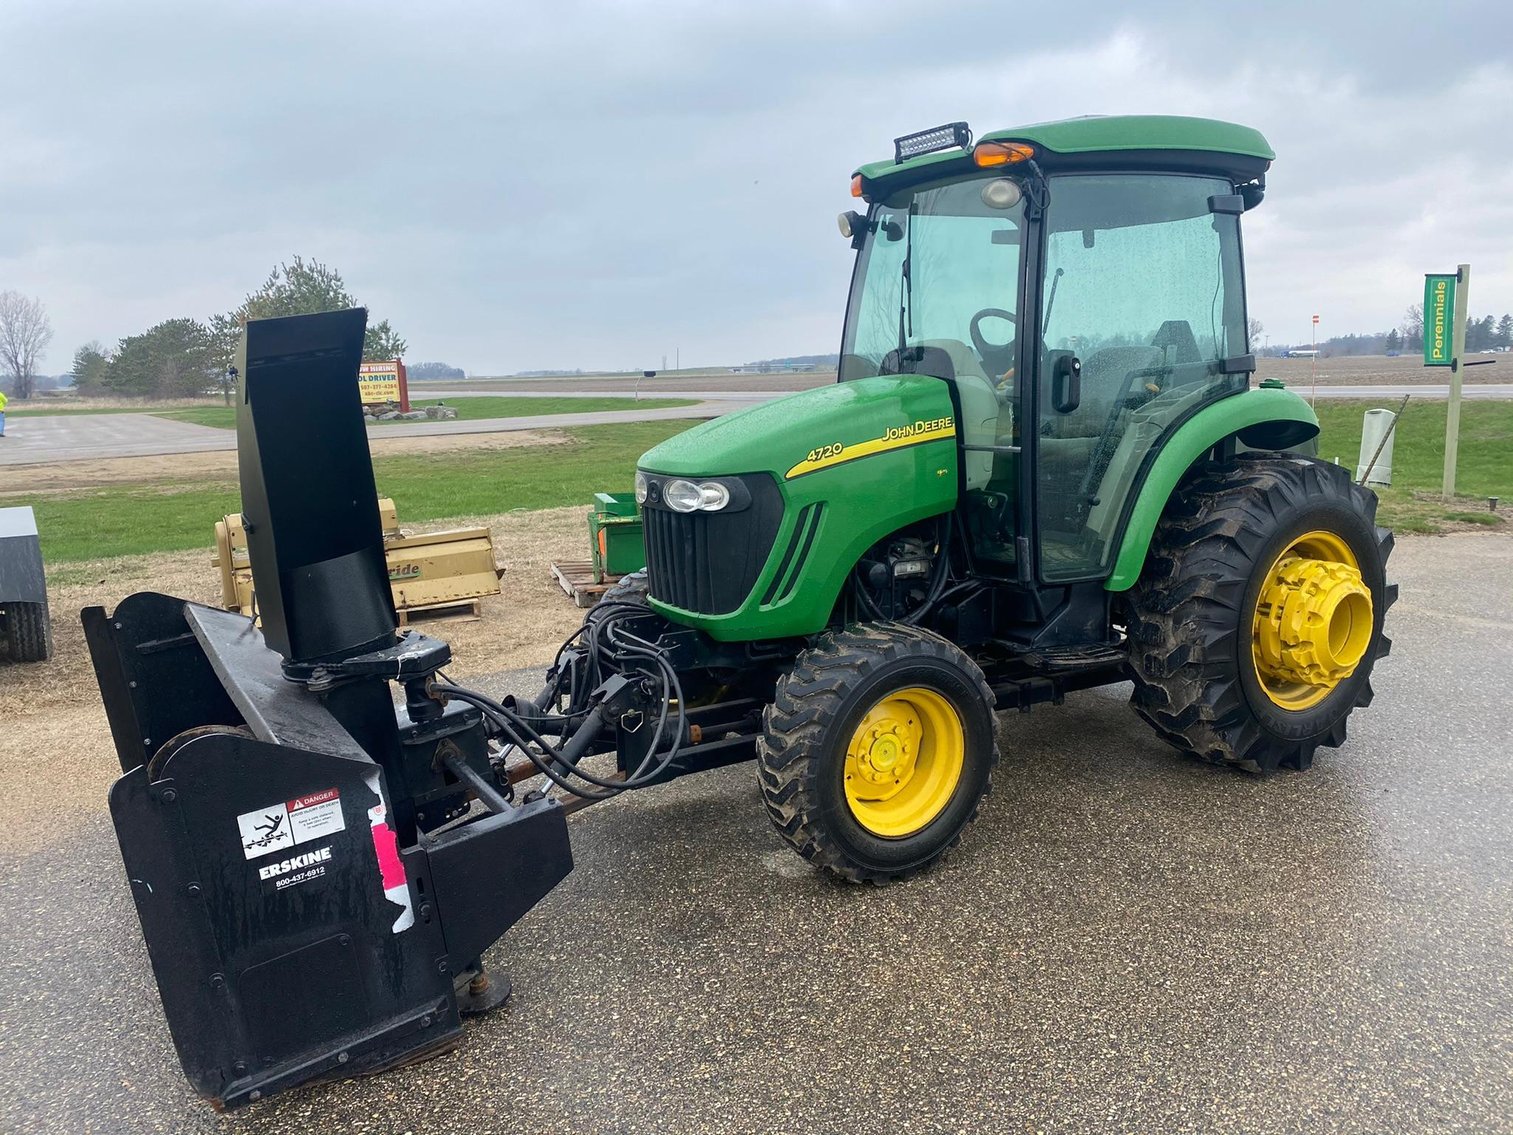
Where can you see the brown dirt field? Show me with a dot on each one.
(1362, 370)
(69, 476)
(1376, 370)
(56, 754)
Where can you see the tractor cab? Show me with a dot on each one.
(1080, 297)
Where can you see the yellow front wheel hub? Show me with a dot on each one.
(1313, 621)
(904, 761)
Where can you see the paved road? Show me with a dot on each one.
(70, 437)
(76, 437)
(31, 440)
(1125, 941)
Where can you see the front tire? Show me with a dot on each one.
(876, 751)
(1258, 618)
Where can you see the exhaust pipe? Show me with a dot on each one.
(316, 873)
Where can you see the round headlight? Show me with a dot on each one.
(682, 496)
(713, 496)
(640, 487)
(1002, 193)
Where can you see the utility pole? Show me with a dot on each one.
(1457, 350)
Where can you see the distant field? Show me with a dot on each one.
(1377, 370)
(468, 409)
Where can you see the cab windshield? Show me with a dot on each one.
(940, 268)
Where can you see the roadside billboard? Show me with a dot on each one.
(379, 384)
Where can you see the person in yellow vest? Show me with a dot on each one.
(2, 413)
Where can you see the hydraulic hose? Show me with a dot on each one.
(606, 643)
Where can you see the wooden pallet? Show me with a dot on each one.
(576, 577)
(469, 610)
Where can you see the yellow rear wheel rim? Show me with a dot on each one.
(1312, 623)
(904, 761)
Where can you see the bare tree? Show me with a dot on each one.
(25, 333)
(1253, 329)
(1413, 326)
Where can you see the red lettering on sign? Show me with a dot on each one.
(312, 799)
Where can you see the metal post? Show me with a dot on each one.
(1457, 349)
(1314, 396)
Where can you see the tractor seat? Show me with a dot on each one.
(1068, 441)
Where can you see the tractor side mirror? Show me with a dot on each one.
(1066, 383)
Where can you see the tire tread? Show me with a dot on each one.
(808, 697)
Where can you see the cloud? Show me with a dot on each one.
(595, 185)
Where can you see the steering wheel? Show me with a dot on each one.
(997, 358)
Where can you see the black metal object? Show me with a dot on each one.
(308, 500)
(159, 686)
(951, 136)
(317, 873)
(22, 579)
(350, 912)
(283, 965)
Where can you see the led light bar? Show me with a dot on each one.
(952, 134)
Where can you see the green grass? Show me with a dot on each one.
(137, 519)
(468, 409)
(221, 417)
(1484, 468)
(134, 519)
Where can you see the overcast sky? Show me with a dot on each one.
(522, 186)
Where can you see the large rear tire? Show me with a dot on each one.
(1258, 618)
(28, 632)
(876, 751)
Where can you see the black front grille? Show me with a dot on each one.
(708, 562)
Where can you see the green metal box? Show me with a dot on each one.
(614, 535)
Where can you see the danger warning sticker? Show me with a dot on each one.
(305, 818)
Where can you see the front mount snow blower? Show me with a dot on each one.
(317, 869)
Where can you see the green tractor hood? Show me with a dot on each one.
(850, 463)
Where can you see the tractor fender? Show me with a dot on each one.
(1262, 418)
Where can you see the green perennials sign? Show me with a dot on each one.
(1439, 319)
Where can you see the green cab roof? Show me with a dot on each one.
(1241, 148)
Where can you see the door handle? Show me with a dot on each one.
(1066, 383)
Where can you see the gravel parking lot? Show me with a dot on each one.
(1126, 941)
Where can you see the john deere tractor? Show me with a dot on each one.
(1044, 468)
